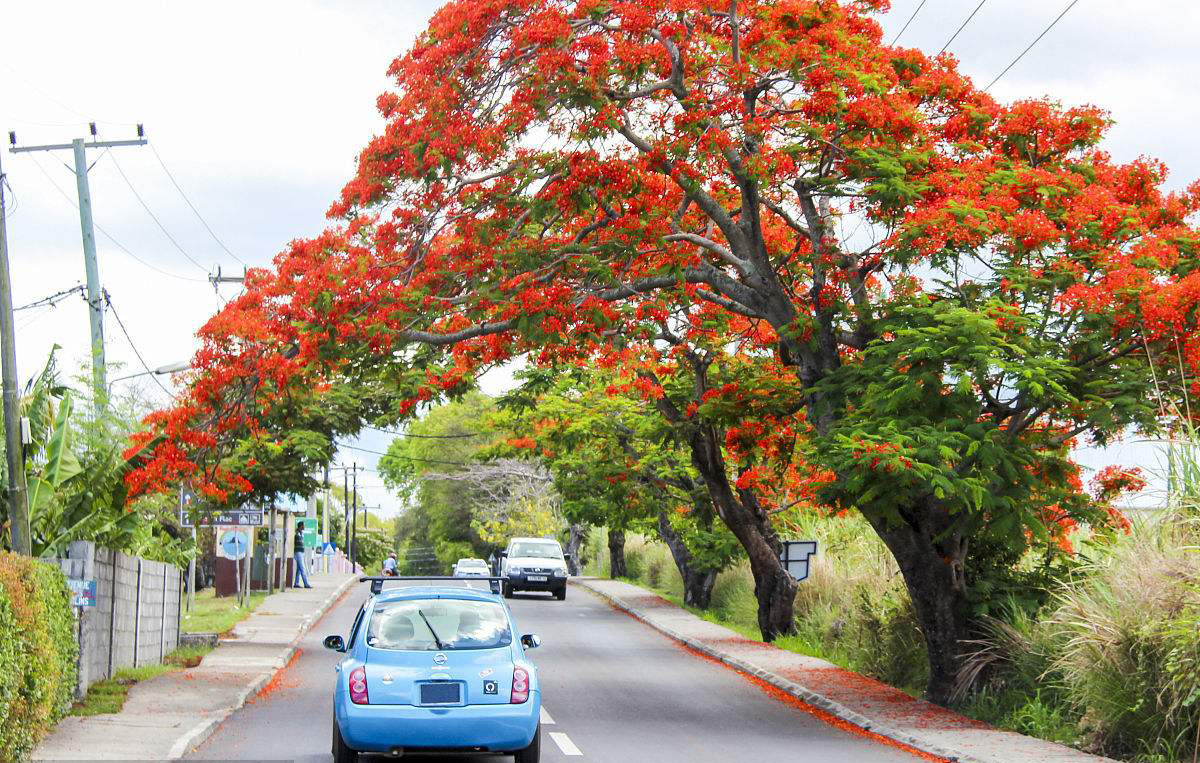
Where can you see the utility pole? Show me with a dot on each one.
(14, 449)
(95, 297)
(346, 508)
(354, 520)
(325, 522)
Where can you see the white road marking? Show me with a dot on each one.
(564, 743)
(546, 719)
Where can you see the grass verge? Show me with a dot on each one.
(108, 696)
(218, 615)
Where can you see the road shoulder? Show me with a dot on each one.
(849, 698)
(165, 717)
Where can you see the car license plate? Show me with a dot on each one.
(441, 694)
(537, 578)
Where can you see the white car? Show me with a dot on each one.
(471, 568)
(534, 564)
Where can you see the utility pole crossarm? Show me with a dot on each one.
(69, 146)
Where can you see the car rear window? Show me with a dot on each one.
(420, 624)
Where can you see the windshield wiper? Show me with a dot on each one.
(436, 640)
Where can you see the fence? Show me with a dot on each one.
(136, 617)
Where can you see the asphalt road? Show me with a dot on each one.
(613, 691)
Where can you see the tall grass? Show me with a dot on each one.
(1127, 631)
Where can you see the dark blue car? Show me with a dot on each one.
(435, 669)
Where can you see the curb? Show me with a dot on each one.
(196, 736)
(806, 695)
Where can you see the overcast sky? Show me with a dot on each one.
(258, 110)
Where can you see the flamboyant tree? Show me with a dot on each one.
(960, 286)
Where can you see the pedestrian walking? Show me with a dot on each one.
(298, 552)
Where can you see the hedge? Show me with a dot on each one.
(37, 652)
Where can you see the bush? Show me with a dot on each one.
(37, 656)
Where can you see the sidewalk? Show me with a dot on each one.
(841, 696)
(166, 716)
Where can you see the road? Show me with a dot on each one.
(613, 691)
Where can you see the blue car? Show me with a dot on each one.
(435, 669)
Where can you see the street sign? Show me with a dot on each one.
(83, 592)
(329, 549)
(233, 544)
(795, 556)
(233, 518)
(309, 528)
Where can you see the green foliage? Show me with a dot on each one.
(528, 518)
(441, 512)
(374, 544)
(615, 460)
(75, 469)
(37, 659)
(297, 434)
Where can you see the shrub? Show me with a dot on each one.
(635, 563)
(37, 658)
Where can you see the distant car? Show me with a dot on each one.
(435, 669)
(471, 568)
(534, 564)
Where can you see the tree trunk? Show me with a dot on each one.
(574, 541)
(616, 554)
(774, 587)
(697, 584)
(931, 562)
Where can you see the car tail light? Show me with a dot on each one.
(520, 690)
(358, 686)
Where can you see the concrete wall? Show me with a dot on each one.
(136, 618)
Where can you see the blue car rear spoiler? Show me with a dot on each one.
(377, 581)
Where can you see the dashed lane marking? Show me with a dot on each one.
(546, 719)
(564, 743)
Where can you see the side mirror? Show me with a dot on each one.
(531, 641)
(336, 643)
(566, 557)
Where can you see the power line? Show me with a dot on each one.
(957, 31)
(910, 20)
(105, 233)
(1035, 42)
(132, 346)
(406, 458)
(192, 206)
(51, 300)
(154, 217)
(423, 436)
(9, 211)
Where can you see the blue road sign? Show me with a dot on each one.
(234, 543)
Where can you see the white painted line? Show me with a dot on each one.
(564, 743)
(546, 719)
